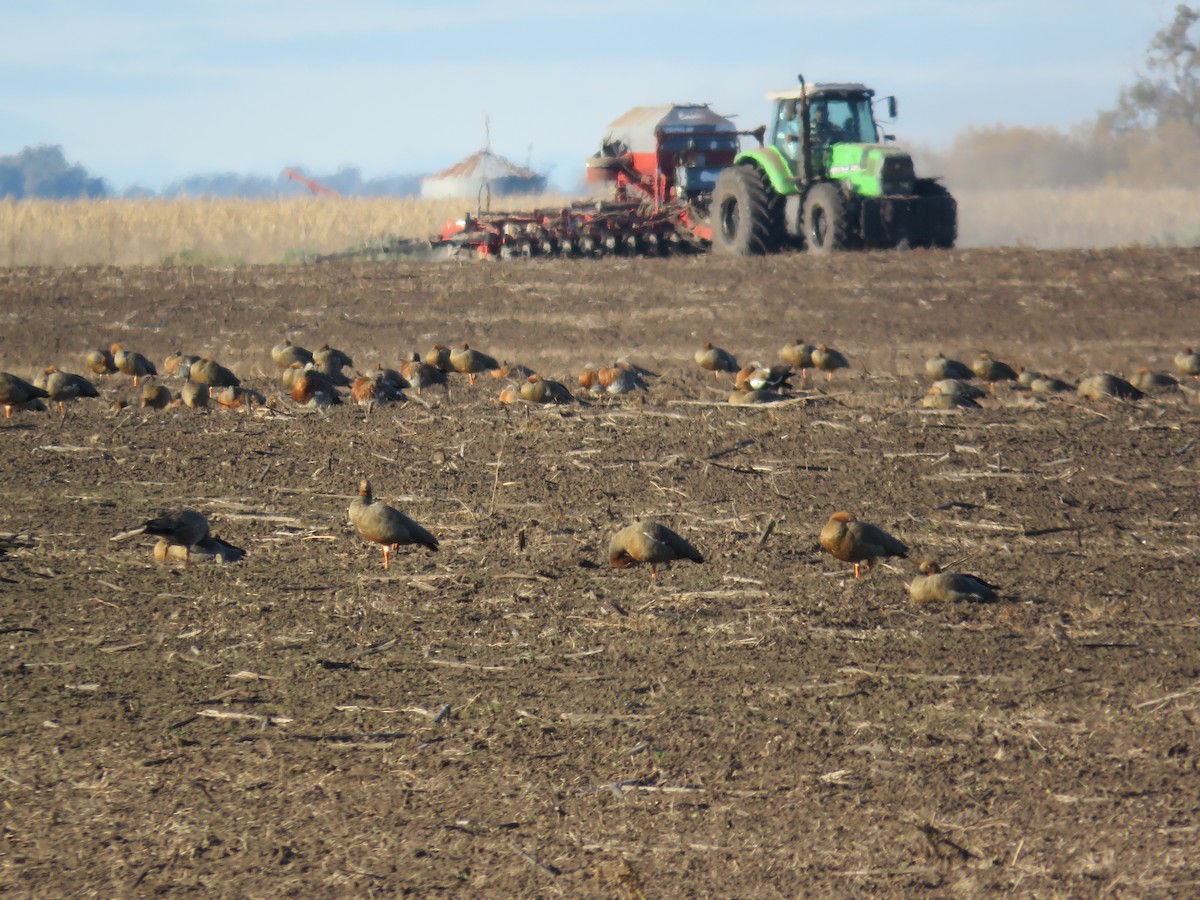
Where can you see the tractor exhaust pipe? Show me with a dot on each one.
(805, 137)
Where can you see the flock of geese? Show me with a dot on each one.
(183, 535)
(318, 379)
(952, 381)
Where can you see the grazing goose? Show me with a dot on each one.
(1096, 387)
(933, 585)
(537, 389)
(285, 353)
(939, 367)
(649, 542)
(992, 370)
(384, 525)
(16, 392)
(182, 527)
(132, 363)
(471, 362)
(715, 360)
(798, 355)
(861, 543)
(63, 387)
(829, 361)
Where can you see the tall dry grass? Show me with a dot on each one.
(155, 232)
(1055, 218)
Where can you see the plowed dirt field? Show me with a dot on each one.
(513, 717)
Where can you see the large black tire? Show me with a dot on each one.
(825, 222)
(940, 228)
(747, 215)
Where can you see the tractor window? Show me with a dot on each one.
(850, 120)
(787, 130)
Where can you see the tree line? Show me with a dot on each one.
(1151, 137)
(44, 173)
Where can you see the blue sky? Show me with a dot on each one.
(149, 92)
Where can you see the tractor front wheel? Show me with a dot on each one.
(825, 225)
(747, 215)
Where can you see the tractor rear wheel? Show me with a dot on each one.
(825, 223)
(747, 215)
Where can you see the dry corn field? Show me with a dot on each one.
(189, 232)
(511, 716)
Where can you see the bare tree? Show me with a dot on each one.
(1169, 92)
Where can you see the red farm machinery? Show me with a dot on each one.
(661, 164)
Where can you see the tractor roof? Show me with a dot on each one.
(810, 90)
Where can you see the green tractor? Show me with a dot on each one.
(825, 179)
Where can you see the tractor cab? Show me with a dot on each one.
(829, 114)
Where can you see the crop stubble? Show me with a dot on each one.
(511, 716)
